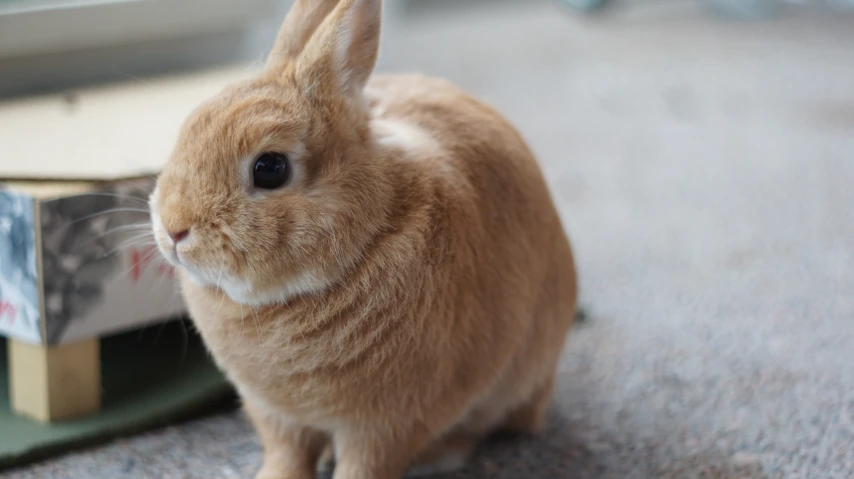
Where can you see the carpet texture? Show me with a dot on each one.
(704, 171)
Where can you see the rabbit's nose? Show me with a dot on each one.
(178, 236)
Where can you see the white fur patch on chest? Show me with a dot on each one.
(242, 292)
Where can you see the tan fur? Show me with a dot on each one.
(406, 295)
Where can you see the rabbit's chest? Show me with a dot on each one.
(302, 364)
(280, 382)
(276, 402)
(289, 376)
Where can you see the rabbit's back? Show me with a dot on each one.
(475, 151)
(477, 160)
(505, 247)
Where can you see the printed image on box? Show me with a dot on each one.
(102, 270)
(19, 295)
(80, 254)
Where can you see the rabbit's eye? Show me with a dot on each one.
(271, 171)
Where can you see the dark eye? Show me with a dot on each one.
(271, 171)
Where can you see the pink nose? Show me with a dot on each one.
(179, 236)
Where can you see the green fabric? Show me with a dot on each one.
(150, 378)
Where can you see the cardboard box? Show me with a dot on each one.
(77, 259)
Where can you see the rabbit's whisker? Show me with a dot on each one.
(139, 241)
(107, 212)
(256, 320)
(139, 200)
(145, 259)
(120, 229)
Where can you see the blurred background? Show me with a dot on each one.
(50, 44)
(701, 153)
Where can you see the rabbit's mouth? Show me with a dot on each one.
(168, 248)
(243, 290)
(203, 278)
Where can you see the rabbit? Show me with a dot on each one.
(375, 262)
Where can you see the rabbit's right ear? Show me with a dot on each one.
(341, 56)
(302, 20)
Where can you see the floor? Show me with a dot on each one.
(704, 172)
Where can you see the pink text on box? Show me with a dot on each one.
(141, 258)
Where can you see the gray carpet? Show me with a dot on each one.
(704, 171)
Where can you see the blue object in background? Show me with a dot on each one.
(735, 9)
(744, 9)
(584, 4)
(19, 293)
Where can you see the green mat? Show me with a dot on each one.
(150, 378)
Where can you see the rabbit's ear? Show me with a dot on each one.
(302, 21)
(342, 54)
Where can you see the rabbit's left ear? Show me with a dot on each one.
(302, 21)
(342, 54)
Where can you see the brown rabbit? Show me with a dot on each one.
(376, 265)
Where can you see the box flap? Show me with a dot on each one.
(49, 189)
(103, 133)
